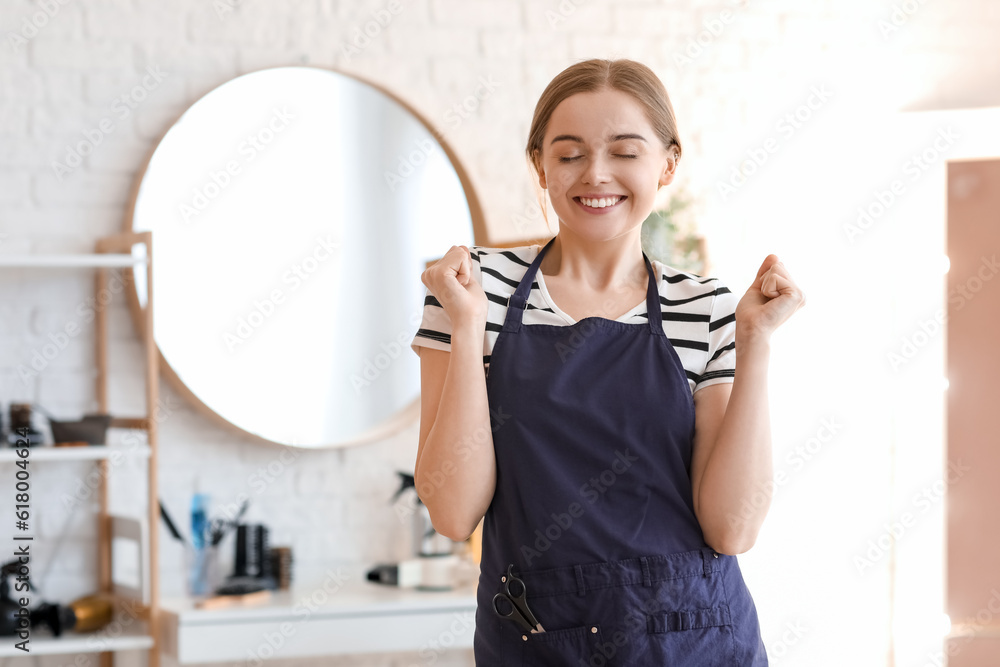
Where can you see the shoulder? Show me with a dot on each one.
(513, 261)
(514, 253)
(676, 283)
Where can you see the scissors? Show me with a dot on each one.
(514, 595)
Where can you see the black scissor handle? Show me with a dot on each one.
(514, 614)
(515, 594)
(520, 591)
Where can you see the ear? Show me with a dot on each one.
(669, 169)
(541, 171)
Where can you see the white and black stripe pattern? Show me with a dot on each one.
(699, 314)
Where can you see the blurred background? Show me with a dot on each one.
(856, 140)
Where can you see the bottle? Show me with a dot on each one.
(434, 565)
(22, 427)
(199, 518)
(202, 553)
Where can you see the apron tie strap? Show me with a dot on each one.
(708, 556)
(672, 621)
(581, 584)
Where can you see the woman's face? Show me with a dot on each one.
(600, 145)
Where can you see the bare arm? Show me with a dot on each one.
(731, 469)
(455, 471)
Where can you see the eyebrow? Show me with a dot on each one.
(617, 137)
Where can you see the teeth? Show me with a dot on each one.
(600, 203)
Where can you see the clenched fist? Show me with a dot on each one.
(771, 299)
(451, 281)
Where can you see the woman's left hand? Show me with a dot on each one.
(772, 298)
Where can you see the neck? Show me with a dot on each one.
(597, 265)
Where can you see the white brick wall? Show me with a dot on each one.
(333, 505)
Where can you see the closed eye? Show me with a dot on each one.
(570, 159)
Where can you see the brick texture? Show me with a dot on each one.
(61, 67)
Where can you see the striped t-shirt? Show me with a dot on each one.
(699, 314)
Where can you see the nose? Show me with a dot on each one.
(597, 170)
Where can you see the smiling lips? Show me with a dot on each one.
(599, 203)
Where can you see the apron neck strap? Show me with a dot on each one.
(519, 299)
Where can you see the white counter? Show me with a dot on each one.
(342, 618)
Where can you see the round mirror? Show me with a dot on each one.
(293, 210)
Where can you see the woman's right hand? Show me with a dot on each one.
(451, 281)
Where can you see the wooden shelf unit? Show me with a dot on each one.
(111, 252)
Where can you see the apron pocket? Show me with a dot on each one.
(682, 636)
(567, 647)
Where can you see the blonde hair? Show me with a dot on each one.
(597, 74)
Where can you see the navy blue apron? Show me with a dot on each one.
(593, 428)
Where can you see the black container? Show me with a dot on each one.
(252, 551)
(22, 427)
(92, 429)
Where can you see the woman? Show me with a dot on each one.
(619, 471)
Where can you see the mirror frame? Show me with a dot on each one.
(404, 417)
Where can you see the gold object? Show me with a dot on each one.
(93, 612)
